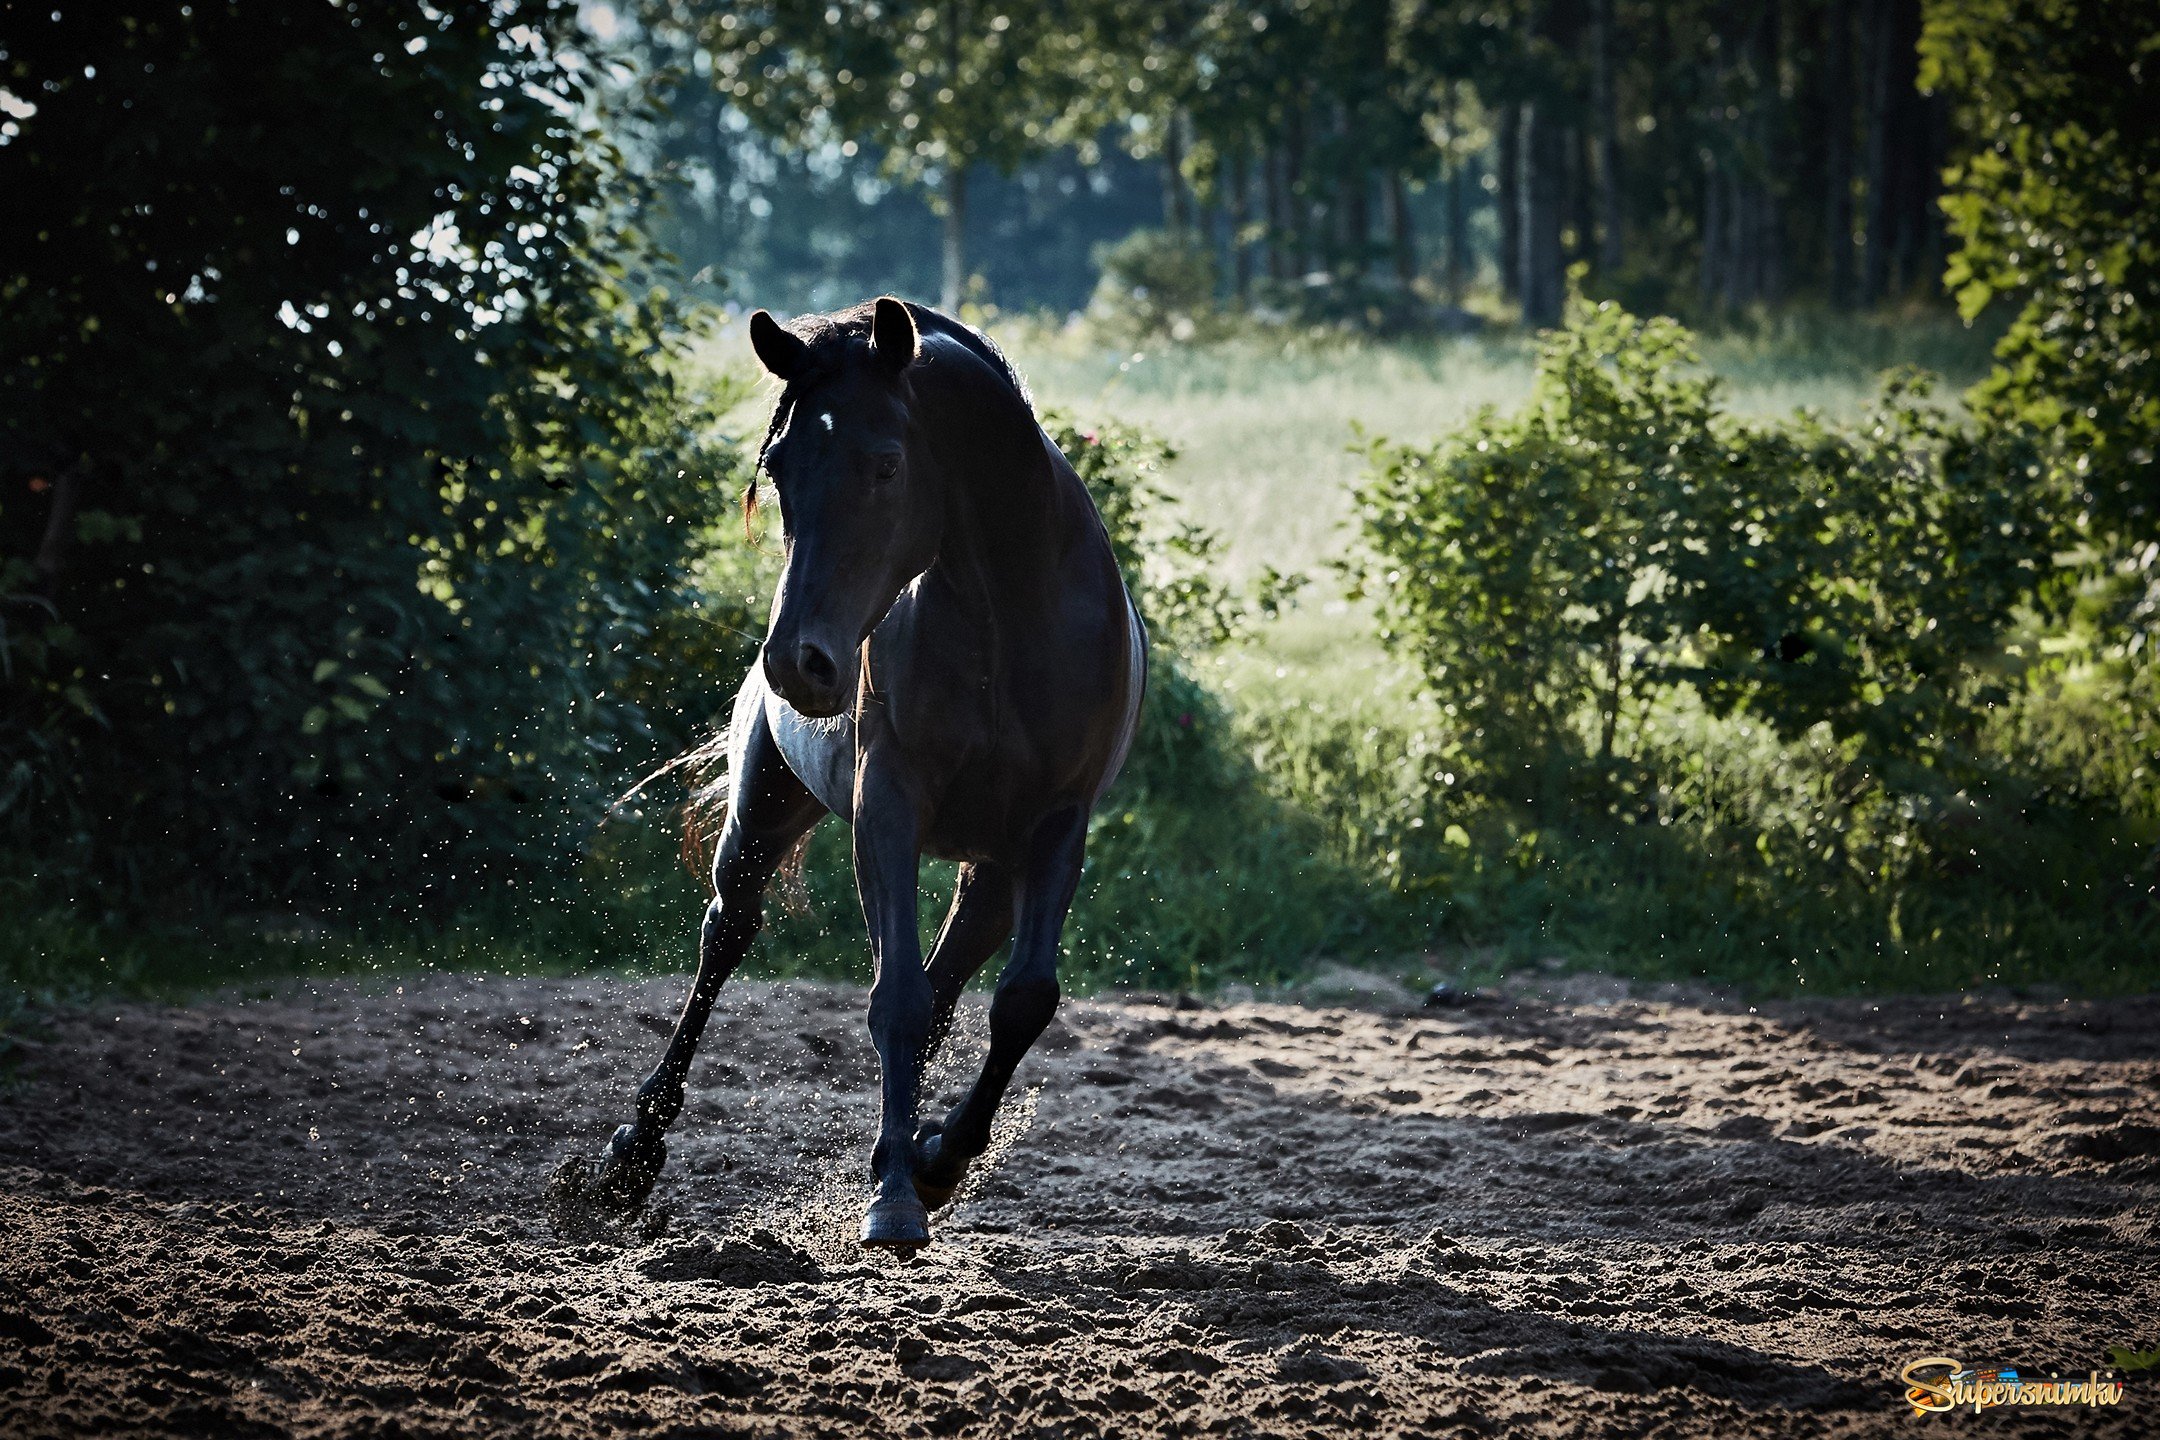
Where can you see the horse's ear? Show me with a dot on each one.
(892, 334)
(780, 351)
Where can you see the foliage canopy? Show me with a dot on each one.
(2053, 211)
(344, 482)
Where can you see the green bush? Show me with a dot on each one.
(346, 488)
(2052, 210)
(1742, 699)
(1557, 572)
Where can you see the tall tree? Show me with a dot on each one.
(2053, 213)
(1507, 174)
(1898, 185)
(1541, 267)
(1548, 88)
(339, 449)
(1605, 132)
(1837, 140)
(1239, 208)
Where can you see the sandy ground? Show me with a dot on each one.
(320, 1213)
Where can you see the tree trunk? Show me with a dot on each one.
(954, 282)
(1278, 213)
(1910, 133)
(1892, 125)
(1764, 262)
(1711, 278)
(1356, 218)
(1459, 183)
(1509, 145)
(1838, 149)
(1350, 227)
(1543, 277)
(1580, 210)
(1177, 201)
(1402, 232)
(1208, 231)
(1298, 194)
(1605, 129)
(1930, 249)
(1239, 198)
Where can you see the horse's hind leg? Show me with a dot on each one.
(769, 810)
(1026, 998)
(980, 920)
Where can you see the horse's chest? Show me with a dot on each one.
(820, 752)
(1024, 762)
(985, 810)
(981, 780)
(987, 747)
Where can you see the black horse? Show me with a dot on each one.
(953, 666)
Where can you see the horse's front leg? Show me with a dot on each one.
(1026, 999)
(769, 811)
(902, 1005)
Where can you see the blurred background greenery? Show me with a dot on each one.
(373, 411)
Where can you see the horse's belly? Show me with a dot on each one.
(1135, 692)
(820, 752)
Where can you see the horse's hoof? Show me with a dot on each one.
(896, 1222)
(629, 1170)
(933, 1185)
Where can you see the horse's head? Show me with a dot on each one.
(854, 516)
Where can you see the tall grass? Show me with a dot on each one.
(2036, 893)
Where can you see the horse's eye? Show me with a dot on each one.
(888, 466)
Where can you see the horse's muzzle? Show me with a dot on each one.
(809, 679)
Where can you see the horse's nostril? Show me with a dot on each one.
(816, 666)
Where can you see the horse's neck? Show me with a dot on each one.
(1016, 523)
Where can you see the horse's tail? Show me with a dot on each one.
(703, 769)
(705, 808)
